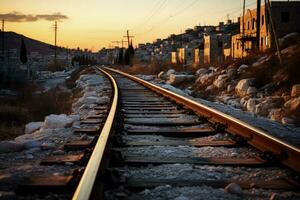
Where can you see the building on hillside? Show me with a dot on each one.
(181, 55)
(214, 45)
(199, 55)
(174, 57)
(285, 16)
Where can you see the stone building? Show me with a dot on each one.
(285, 16)
(214, 45)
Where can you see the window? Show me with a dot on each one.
(261, 41)
(237, 45)
(253, 23)
(248, 25)
(262, 20)
(285, 17)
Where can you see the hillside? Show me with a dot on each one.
(13, 41)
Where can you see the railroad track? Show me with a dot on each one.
(156, 144)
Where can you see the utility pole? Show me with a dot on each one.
(258, 24)
(243, 42)
(119, 42)
(128, 37)
(267, 3)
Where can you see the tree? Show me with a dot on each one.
(120, 61)
(23, 52)
(129, 54)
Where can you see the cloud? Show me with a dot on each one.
(20, 17)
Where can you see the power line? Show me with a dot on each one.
(172, 16)
(157, 11)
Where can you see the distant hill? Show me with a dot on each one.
(13, 41)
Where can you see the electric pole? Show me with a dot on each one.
(119, 42)
(258, 24)
(128, 37)
(267, 3)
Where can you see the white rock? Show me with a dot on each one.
(177, 79)
(220, 81)
(243, 101)
(160, 75)
(47, 146)
(288, 40)
(29, 156)
(242, 86)
(75, 117)
(58, 121)
(275, 115)
(234, 188)
(251, 90)
(234, 103)
(213, 69)
(10, 146)
(294, 104)
(147, 77)
(231, 73)
(242, 67)
(251, 105)
(287, 121)
(230, 88)
(33, 126)
(295, 90)
(170, 71)
(30, 144)
(203, 79)
(201, 71)
(58, 152)
(210, 87)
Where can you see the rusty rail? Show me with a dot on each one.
(285, 152)
(86, 184)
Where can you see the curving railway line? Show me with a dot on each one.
(156, 144)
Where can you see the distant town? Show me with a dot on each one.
(198, 46)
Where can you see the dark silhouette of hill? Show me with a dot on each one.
(13, 41)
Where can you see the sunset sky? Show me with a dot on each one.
(93, 24)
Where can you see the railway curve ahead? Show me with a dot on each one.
(156, 144)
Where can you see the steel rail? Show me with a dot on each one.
(86, 184)
(288, 154)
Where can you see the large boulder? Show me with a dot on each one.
(251, 90)
(243, 86)
(10, 146)
(231, 73)
(293, 104)
(251, 105)
(295, 90)
(177, 79)
(201, 71)
(287, 121)
(289, 40)
(275, 114)
(58, 121)
(33, 126)
(31, 144)
(161, 74)
(242, 68)
(170, 71)
(264, 107)
(220, 81)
